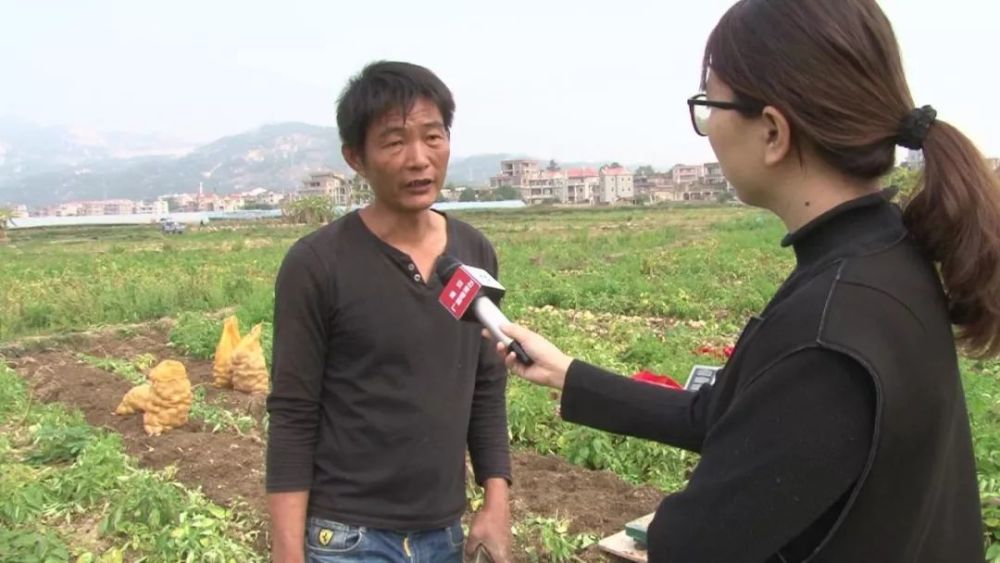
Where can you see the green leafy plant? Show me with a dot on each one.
(557, 544)
(55, 470)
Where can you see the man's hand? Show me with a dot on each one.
(491, 525)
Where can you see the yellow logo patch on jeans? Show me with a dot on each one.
(325, 536)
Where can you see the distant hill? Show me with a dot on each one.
(59, 169)
(47, 165)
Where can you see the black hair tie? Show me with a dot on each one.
(913, 130)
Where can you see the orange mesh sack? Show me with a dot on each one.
(221, 374)
(248, 367)
(170, 399)
(136, 400)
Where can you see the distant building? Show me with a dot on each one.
(701, 191)
(515, 173)
(205, 203)
(155, 207)
(611, 184)
(453, 193)
(518, 174)
(616, 184)
(272, 198)
(582, 185)
(361, 191)
(118, 207)
(225, 203)
(683, 174)
(92, 208)
(237, 199)
(69, 210)
(698, 182)
(261, 196)
(548, 186)
(20, 211)
(185, 202)
(713, 173)
(535, 185)
(655, 187)
(327, 184)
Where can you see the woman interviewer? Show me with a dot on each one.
(838, 429)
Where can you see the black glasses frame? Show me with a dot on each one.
(747, 108)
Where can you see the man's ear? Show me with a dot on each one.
(778, 136)
(353, 159)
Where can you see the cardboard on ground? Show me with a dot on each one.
(624, 544)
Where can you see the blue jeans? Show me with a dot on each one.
(332, 542)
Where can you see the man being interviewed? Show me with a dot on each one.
(377, 391)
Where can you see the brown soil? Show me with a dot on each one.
(593, 501)
(154, 339)
(229, 468)
(226, 466)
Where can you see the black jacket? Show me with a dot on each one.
(838, 429)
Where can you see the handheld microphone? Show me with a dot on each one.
(470, 294)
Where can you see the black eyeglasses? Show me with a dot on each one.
(701, 107)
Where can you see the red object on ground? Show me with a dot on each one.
(661, 380)
(717, 352)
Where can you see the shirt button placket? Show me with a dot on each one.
(412, 268)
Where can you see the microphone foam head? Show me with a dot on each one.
(446, 266)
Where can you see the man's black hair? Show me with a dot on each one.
(385, 86)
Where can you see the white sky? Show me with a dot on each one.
(571, 80)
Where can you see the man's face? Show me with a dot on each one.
(405, 160)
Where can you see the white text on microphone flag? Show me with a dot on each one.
(457, 295)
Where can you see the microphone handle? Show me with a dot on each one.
(493, 318)
(519, 352)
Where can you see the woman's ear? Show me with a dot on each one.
(778, 136)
